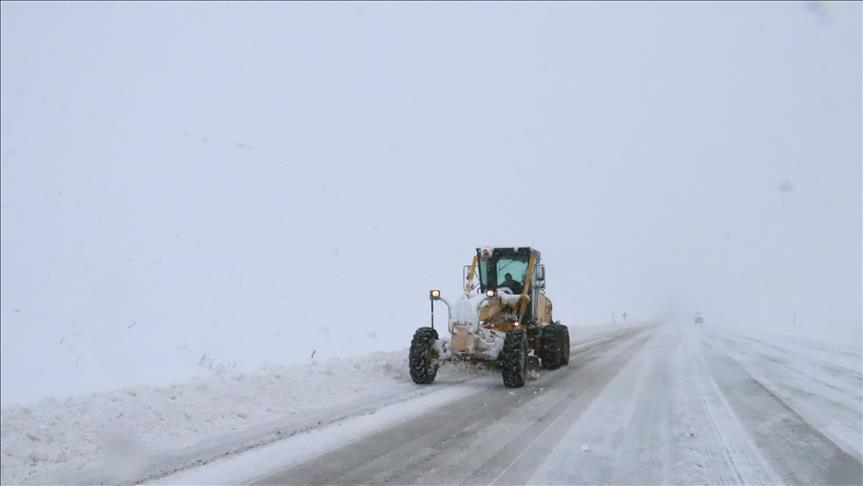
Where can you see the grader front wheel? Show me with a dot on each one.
(422, 362)
(514, 359)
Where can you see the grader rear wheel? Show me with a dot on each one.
(565, 357)
(555, 346)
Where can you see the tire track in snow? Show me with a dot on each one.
(853, 381)
(842, 362)
(591, 447)
(651, 425)
(830, 405)
(248, 442)
(737, 460)
(450, 445)
(798, 451)
(546, 433)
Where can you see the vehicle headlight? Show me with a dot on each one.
(489, 293)
(434, 294)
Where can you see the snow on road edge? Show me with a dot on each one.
(145, 431)
(235, 468)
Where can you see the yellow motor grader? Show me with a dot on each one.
(504, 316)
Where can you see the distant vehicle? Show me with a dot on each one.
(699, 319)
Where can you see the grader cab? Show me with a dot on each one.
(503, 316)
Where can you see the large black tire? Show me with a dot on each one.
(514, 359)
(564, 360)
(422, 363)
(555, 346)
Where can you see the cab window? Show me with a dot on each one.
(515, 267)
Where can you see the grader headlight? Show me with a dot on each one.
(434, 294)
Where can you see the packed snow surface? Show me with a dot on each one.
(645, 404)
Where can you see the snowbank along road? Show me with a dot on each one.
(649, 404)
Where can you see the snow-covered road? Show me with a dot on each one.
(659, 404)
(647, 404)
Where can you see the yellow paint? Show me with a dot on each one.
(530, 264)
(470, 275)
(492, 309)
(543, 309)
(461, 340)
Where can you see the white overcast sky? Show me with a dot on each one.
(254, 181)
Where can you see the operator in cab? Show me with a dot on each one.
(511, 284)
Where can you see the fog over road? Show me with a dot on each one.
(671, 403)
(220, 223)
